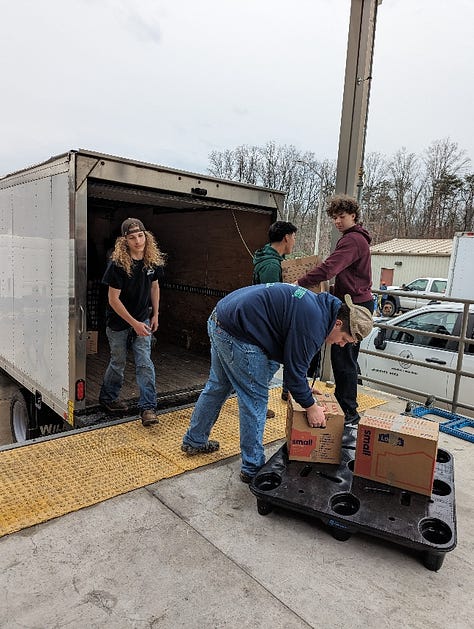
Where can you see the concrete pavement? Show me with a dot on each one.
(193, 552)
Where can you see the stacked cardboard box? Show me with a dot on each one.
(295, 268)
(317, 445)
(397, 450)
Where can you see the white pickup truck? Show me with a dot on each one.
(423, 286)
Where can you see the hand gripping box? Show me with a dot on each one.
(316, 445)
(397, 450)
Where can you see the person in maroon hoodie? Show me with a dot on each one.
(350, 264)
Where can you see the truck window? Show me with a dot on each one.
(417, 285)
(439, 286)
(438, 322)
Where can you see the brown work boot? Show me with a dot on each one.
(115, 407)
(149, 417)
(270, 413)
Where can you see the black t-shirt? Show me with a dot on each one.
(135, 291)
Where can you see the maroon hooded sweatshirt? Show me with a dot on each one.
(349, 263)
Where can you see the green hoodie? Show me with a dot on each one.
(267, 265)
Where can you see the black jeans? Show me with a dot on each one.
(346, 373)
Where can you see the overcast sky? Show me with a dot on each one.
(169, 81)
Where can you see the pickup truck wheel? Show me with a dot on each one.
(389, 308)
(19, 417)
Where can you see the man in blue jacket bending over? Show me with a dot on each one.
(252, 331)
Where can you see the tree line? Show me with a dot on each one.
(403, 196)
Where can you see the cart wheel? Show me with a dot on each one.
(264, 508)
(340, 534)
(433, 561)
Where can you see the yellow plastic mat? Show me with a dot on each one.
(45, 480)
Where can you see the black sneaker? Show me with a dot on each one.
(352, 421)
(115, 407)
(246, 478)
(352, 424)
(207, 448)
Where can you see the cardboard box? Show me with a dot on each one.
(293, 269)
(316, 445)
(91, 342)
(397, 450)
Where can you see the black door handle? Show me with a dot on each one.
(435, 360)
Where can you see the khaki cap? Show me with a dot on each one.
(360, 319)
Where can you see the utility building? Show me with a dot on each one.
(402, 260)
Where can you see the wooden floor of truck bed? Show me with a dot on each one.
(178, 371)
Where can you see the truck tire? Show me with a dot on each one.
(19, 417)
(389, 308)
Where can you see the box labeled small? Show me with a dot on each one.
(397, 450)
(315, 445)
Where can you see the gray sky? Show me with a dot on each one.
(169, 81)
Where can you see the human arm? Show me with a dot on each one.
(155, 303)
(299, 351)
(141, 328)
(347, 251)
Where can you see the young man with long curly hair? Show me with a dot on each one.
(132, 316)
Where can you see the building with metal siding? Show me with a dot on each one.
(402, 260)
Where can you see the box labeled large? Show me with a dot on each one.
(316, 445)
(397, 450)
(292, 269)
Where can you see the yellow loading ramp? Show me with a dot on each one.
(50, 478)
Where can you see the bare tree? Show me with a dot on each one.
(444, 162)
(283, 168)
(467, 217)
(375, 200)
(406, 186)
(403, 197)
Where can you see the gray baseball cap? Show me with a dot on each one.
(131, 226)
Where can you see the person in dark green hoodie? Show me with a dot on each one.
(267, 260)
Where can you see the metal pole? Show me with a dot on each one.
(318, 220)
(355, 105)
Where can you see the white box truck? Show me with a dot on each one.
(58, 221)
(461, 267)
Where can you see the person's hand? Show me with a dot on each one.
(142, 329)
(316, 391)
(315, 416)
(154, 323)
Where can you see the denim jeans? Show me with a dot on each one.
(243, 368)
(144, 368)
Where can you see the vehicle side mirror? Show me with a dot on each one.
(380, 341)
